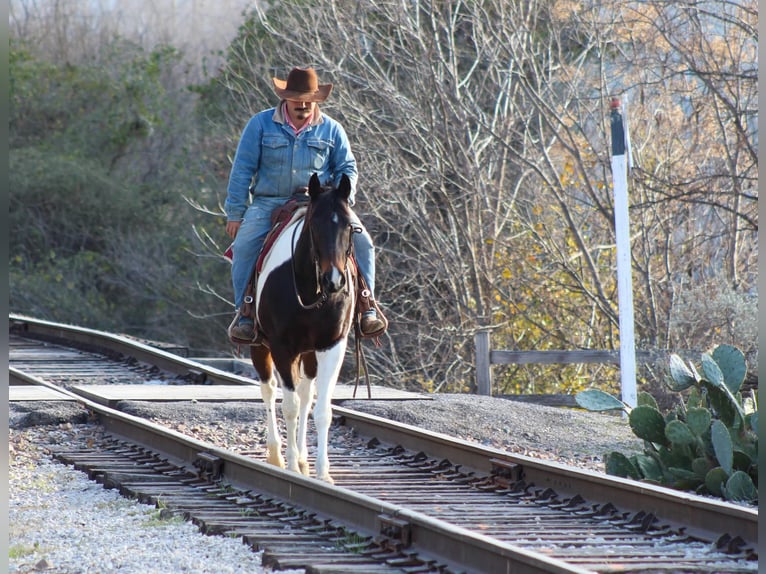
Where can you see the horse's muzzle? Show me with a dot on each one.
(333, 280)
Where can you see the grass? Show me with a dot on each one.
(351, 541)
(158, 518)
(20, 550)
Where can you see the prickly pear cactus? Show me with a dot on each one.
(709, 445)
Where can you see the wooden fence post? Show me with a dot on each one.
(483, 367)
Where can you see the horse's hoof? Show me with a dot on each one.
(303, 465)
(276, 460)
(327, 478)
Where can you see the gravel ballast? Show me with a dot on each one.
(60, 521)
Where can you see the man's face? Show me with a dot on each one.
(300, 111)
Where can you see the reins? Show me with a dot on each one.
(361, 366)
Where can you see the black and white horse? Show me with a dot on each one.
(305, 299)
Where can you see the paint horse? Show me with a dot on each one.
(305, 298)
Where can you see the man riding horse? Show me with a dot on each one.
(279, 150)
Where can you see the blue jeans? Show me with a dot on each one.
(252, 233)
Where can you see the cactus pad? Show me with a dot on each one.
(715, 479)
(680, 374)
(678, 433)
(740, 488)
(732, 364)
(648, 424)
(617, 464)
(595, 400)
(724, 451)
(698, 420)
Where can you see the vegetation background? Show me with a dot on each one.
(482, 135)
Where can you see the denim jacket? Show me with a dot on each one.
(276, 161)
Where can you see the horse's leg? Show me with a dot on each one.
(290, 407)
(273, 440)
(263, 366)
(328, 367)
(306, 393)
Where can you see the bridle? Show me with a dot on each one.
(322, 294)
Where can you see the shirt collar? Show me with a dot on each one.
(289, 122)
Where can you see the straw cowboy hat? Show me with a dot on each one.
(302, 85)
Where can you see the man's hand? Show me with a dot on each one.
(232, 227)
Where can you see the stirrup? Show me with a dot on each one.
(374, 334)
(257, 337)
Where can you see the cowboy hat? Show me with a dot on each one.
(302, 85)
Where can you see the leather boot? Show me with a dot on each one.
(242, 331)
(370, 324)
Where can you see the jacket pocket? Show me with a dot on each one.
(273, 149)
(319, 151)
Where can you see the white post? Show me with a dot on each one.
(483, 365)
(620, 161)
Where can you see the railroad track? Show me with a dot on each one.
(405, 500)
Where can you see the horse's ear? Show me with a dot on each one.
(344, 189)
(315, 187)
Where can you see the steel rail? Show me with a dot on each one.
(455, 545)
(143, 352)
(701, 517)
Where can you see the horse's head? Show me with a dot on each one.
(328, 220)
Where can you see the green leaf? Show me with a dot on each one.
(648, 424)
(678, 433)
(732, 364)
(682, 377)
(671, 416)
(722, 402)
(695, 398)
(722, 446)
(740, 488)
(645, 398)
(701, 466)
(684, 479)
(617, 464)
(741, 461)
(650, 467)
(711, 370)
(595, 400)
(684, 474)
(679, 457)
(698, 420)
(715, 479)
